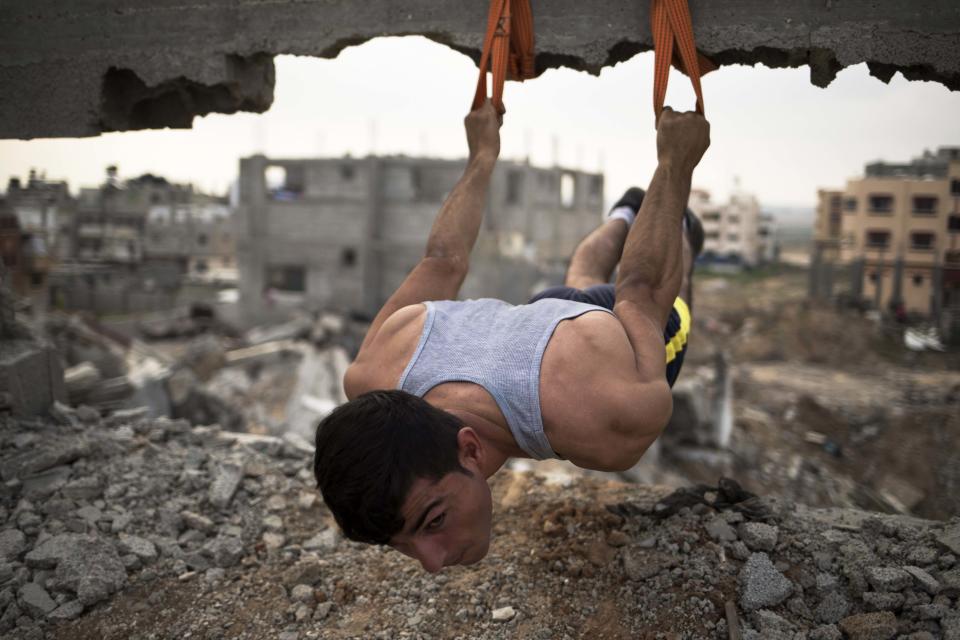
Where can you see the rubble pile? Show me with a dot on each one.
(270, 380)
(856, 421)
(134, 527)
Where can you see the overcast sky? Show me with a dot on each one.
(781, 136)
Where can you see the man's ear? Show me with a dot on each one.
(470, 449)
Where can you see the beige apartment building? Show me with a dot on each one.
(899, 225)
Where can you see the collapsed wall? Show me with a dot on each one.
(93, 66)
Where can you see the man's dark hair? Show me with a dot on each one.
(369, 452)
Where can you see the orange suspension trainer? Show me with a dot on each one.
(670, 22)
(507, 49)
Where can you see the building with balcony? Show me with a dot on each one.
(899, 224)
(343, 233)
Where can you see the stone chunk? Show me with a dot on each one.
(34, 461)
(950, 538)
(326, 540)
(881, 625)
(832, 607)
(225, 484)
(35, 599)
(503, 614)
(140, 547)
(197, 521)
(923, 580)
(46, 483)
(66, 611)
(761, 585)
(86, 488)
(888, 579)
(302, 593)
(719, 530)
(91, 568)
(12, 544)
(48, 553)
(307, 571)
(882, 601)
(825, 632)
(758, 536)
(225, 551)
(950, 583)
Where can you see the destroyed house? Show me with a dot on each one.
(342, 233)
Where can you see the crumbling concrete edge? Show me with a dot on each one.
(86, 84)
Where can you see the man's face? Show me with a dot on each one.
(446, 522)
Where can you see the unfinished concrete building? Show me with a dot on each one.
(134, 242)
(343, 232)
(897, 230)
(44, 210)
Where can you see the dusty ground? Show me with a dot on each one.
(578, 558)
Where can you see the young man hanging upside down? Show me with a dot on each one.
(443, 392)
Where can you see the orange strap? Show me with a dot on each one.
(670, 21)
(507, 48)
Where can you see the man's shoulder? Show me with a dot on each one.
(382, 359)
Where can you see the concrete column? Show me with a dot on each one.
(936, 292)
(896, 296)
(372, 245)
(878, 290)
(251, 232)
(856, 279)
(813, 285)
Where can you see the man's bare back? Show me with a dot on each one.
(408, 467)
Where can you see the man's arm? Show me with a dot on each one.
(651, 268)
(443, 268)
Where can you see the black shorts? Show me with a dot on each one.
(674, 335)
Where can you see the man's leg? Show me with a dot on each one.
(597, 255)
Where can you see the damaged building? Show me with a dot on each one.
(342, 233)
(896, 233)
(134, 242)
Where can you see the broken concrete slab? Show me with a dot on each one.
(31, 377)
(52, 454)
(761, 585)
(35, 599)
(12, 544)
(950, 538)
(120, 65)
(225, 484)
(92, 569)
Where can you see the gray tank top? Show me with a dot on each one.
(498, 346)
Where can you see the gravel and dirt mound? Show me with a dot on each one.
(127, 527)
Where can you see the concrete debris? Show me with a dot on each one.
(888, 580)
(950, 538)
(35, 600)
(881, 625)
(503, 614)
(758, 536)
(761, 585)
(225, 484)
(122, 506)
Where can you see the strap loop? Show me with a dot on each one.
(508, 49)
(670, 22)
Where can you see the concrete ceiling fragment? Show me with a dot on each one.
(84, 67)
